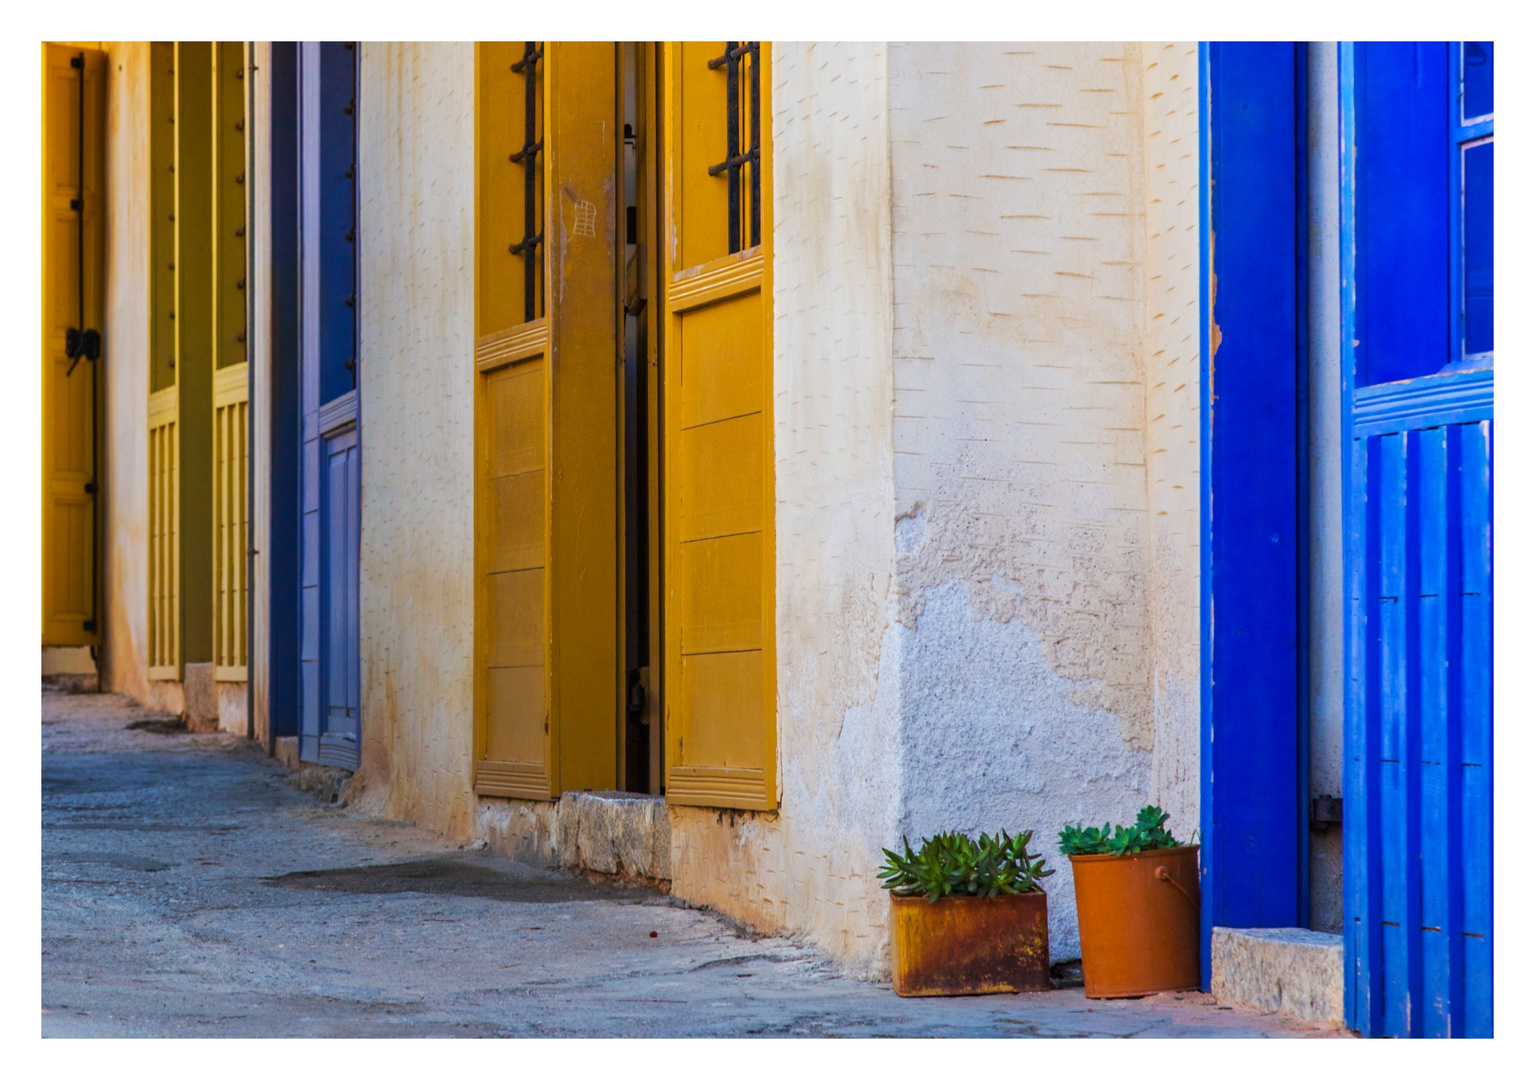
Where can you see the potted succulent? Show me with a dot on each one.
(1137, 906)
(968, 916)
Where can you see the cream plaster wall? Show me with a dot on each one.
(416, 379)
(810, 868)
(125, 382)
(1171, 361)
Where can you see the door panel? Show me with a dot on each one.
(73, 204)
(546, 423)
(718, 599)
(1418, 393)
(332, 423)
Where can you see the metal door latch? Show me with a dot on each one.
(1326, 811)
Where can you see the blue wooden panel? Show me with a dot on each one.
(331, 720)
(1394, 547)
(1402, 226)
(1438, 726)
(285, 543)
(338, 218)
(1475, 441)
(1253, 547)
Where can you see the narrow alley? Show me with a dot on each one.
(191, 889)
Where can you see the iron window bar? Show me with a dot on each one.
(735, 157)
(527, 157)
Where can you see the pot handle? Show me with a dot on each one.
(1162, 875)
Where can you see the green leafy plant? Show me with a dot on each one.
(1147, 834)
(952, 864)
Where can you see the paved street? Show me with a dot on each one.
(189, 889)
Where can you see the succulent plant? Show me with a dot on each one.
(1147, 834)
(952, 864)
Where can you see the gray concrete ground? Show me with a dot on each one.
(190, 889)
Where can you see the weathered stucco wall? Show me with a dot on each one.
(125, 381)
(1020, 441)
(811, 867)
(416, 194)
(1171, 360)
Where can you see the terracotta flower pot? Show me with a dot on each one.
(966, 945)
(1139, 919)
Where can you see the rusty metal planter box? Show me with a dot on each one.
(966, 945)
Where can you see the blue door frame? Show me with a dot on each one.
(1417, 392)
(1253, 440)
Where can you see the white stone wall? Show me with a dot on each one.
(416, 381)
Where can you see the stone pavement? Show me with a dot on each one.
(190, 889)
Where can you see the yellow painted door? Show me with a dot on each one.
(74, 205)
(718, 534)
(546, 500)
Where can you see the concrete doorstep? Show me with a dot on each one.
(617, 833)
(1288, 971)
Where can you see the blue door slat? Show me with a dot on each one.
(1436, 724)
(1476, 722)
(1399, 889)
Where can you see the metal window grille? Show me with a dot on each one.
(741, 166)
(528, 158)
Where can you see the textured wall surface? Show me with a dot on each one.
(125, 379)
(416, 189)
(1170, 351)
(1021, 444)
(810, 867)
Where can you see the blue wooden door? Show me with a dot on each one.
(332, 447)
(1416, 213)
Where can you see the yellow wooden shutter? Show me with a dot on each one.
(230, 384)
(546, 500)
(163, 651)
(720, 670)
(73, 247)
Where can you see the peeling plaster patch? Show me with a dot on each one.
(910, 531)
(992, 737)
